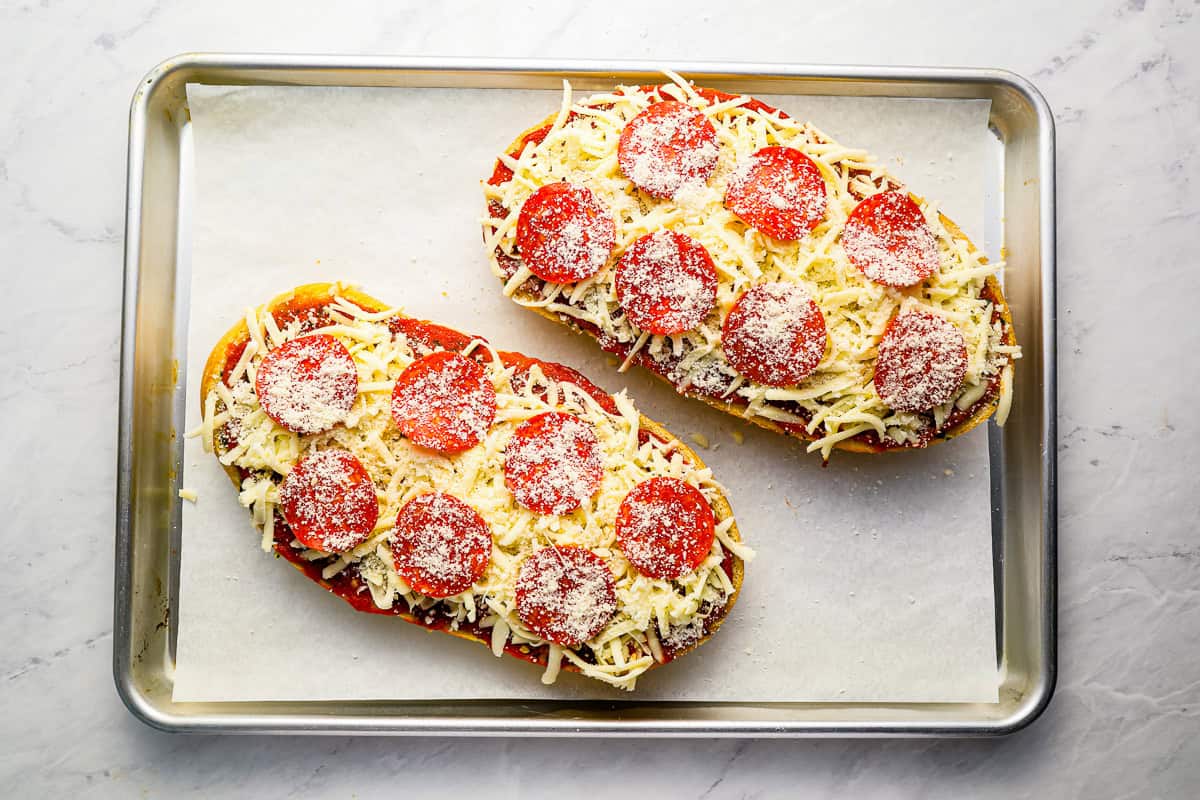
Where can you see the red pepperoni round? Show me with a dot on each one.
(441, 545)
(329, 501)
(444, 402)
(922, 361)
(665, 528)
(565, 233)
(667, 145)
(565, 595)
(553, 463)
(889, 241)
(779, 191)
(666, 282)
(774, 334)
(307, 385)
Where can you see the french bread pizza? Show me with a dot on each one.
(752, 262)
(415, 471)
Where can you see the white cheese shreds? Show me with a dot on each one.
(1006, 393)
(553, 664)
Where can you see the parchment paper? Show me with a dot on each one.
(874, 576)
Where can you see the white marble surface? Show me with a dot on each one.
(1124, 80)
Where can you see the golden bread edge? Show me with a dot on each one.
(324, 292)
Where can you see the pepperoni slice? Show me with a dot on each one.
(665, 527)
(922, 361)
(444, 402)
(774, 334)
(666, 282)
(307, 385)
(565, 595)
(779, 191)
(501, 173)
(552, 463)
(667, 145)
(329, 501)
(441, 545)
(889, 241)
(565, 233)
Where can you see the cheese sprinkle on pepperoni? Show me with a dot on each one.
(307, 385)
(784, 176)
(431, 505)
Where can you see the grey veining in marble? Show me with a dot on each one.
(1124, 79)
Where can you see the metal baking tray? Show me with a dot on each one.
(1020, 218)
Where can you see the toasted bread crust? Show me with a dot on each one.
(319, 294)
(857, 444)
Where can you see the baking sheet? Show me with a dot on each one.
(874, 580)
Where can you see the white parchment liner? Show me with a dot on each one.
(874, 576)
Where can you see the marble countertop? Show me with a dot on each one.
(1123, 77)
